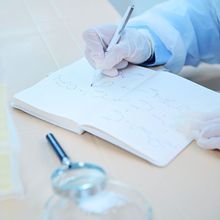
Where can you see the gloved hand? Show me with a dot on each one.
(135, 46)
(205, 129)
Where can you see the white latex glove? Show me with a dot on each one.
(135, 46)
(205, 129)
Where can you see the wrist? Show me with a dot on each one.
(150, 42)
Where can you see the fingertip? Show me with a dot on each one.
(113, 57)
(123, 64)
(111, 73)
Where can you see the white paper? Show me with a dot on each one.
(140, 108)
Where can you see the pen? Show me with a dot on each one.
(118, 32)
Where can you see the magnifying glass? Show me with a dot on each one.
(76, 179)
(83, 191)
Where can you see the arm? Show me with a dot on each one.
(184, 32)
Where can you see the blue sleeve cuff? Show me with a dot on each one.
(161, 54)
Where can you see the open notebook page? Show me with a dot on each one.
(147, 118)
(66, 96)
(140, 107)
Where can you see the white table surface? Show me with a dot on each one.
(38, 37)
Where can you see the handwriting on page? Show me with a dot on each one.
(105, 88)
(148, 114)
(128, 95)
(146, 104)
(127, 87)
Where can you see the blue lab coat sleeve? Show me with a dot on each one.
(184, 32)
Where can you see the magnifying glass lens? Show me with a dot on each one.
(78, 181)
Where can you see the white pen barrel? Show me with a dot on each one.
(120, 28)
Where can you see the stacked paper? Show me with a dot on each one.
(10, 183)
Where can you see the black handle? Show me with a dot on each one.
(57, 148)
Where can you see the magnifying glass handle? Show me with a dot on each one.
(58, 150)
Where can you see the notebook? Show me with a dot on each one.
(10, 182)
(138, 111)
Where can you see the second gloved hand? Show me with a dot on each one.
(206, 130)
(135, 46)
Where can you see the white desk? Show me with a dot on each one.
(40, 36)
